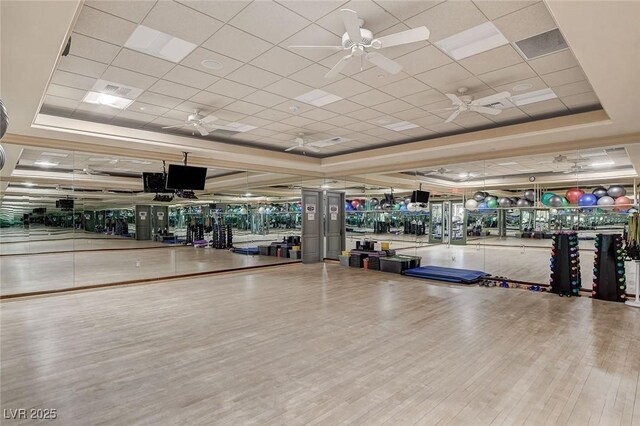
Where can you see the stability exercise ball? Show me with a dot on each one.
(355, 204)
(605, 201)
(529, 195)
(555, 201)
(492, 203)
(471, 204)
(546, 196)
(504, 202)
(478, 196)
(514, 200)
(482, 206)
(565, 202)
(600, 191)
(622, 203)
(616, 191)
(587, 200)
(574, 194)
(4, 119)
(523, 203)
(374, 202)
(412, 207)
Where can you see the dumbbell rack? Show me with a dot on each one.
(609, 282)
(565, 265)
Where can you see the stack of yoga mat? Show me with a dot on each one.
(440, 273)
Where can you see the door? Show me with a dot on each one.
(335, 224)
(436, 223)
(143, 222)
(312, 238)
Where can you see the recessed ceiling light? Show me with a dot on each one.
(54, 154)
(472, 41)
(142, 108)
(400, 126)
(532, 97)
(212, 64)
(43, 163)
(603, 164)
(159, 44)
(318, 98)
(107, 100)
(522, 87)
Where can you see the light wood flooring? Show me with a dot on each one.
(320, 344)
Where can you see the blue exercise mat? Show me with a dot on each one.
(454, 275)
(247, 250)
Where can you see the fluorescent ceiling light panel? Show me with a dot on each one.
(603, 164)
(240, 127)
(510, 163)
(318, 98)
(400, 126)
(159, 44)
(107, 100)
(532, 97)
(43, 163)
(54, 154)
(472, 41)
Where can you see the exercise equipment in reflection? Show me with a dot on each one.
(221, 236)
(565, 265)
(609, 282)
(632, 252)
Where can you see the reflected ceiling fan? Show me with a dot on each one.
(440, 171)
(199, 122)
(303, 144)
(463, 102)
(359, 42)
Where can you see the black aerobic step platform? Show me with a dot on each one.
(453, 275)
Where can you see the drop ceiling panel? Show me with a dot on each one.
(425, 97)
(94, 49)
(309, 36)
(281, 61)
(390, 107)
(545, 107)
(236, 44)
(82, 66)
(403, 10)
(376, 18)
(405, 87)
(570, 75)
(253, 76)
(509, 74)
(195, 58)
(312, 10)
(190, 77)
(221, 10)
(554, 62)
(173, 89)
(526, 22)
(444, 75)
(159, 100)
(423, 59)
(372, 97)
(182, 22)
(581, 100)
(103, 26)
(283, 23)
(494, 9)
(439, 19)
(132, 11)
(141, 63)
(571, 89)
(66, 92)
(129, 78)
(346, 88)
(494, 59)
(56, 101)
(319, 114)
(264, 99)
(148, 108)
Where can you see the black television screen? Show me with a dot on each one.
(420, 197)
(155, 182)
(186, 177)
(40, 210)
(64, 204)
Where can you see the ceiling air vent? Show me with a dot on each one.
(115, 89)
(542, 44)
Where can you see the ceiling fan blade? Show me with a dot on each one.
(443, 109)
(291, 148)
(174, 127)
(404, 37)
(456, 100)
(311, 148)
(351, 24)
(488, 100)
(209, 119)
(202, 131)
(453, 116)
(337, 68)
(485, 110)
(317, 47)
(390, 66)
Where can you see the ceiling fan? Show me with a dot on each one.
(440, 171)
(463, 102)
(358, 41)
(199, 122)
(304, 144)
